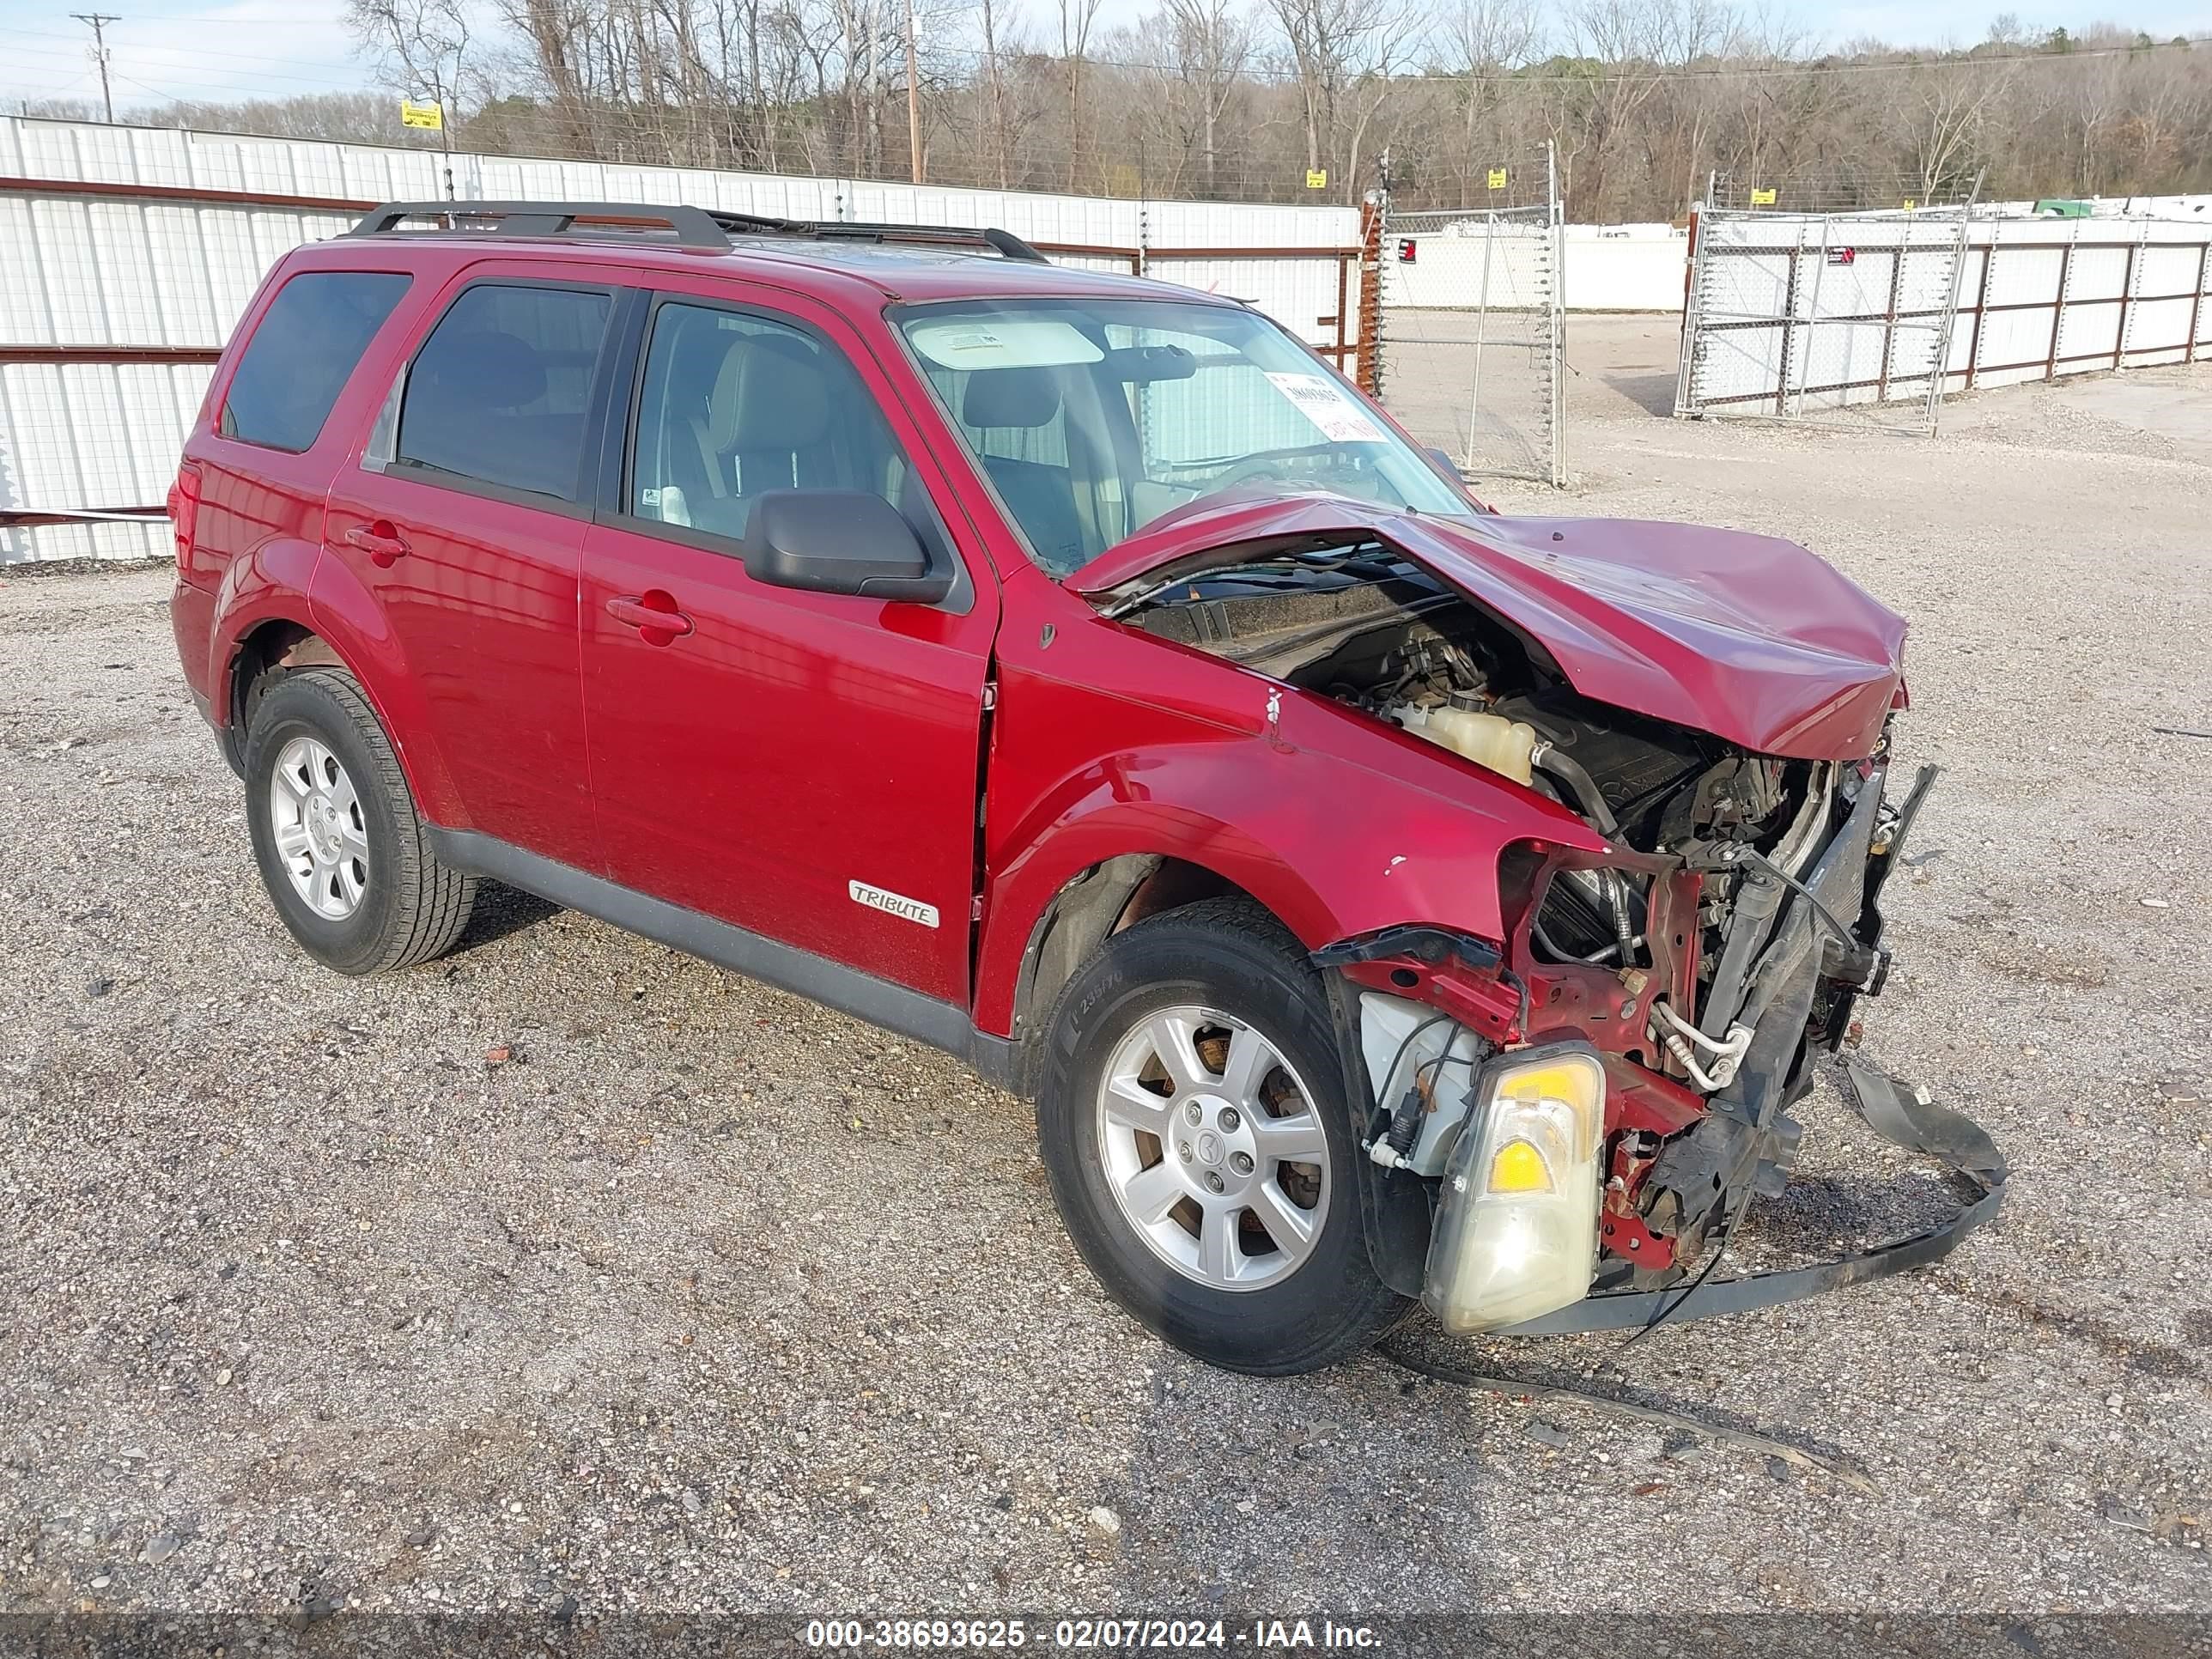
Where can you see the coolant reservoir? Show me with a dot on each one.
(1489, 740)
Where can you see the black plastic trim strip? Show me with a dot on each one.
(897, 1008)
(1898, 1113)
(692, 227)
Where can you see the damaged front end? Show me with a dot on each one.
(1594, 1132)
(1594, 1099)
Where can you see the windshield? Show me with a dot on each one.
(1093, 417)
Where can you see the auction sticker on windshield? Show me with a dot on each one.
(1340, 420)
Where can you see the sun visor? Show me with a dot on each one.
(970, 343)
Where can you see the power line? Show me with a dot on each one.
(214, 74)
(195, 52)
(1532, 74)
(97, 22)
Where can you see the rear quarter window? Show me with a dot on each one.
(305, 348)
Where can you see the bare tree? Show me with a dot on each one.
(1076, 20)
(1331, 43)
(1229, 97)
(419, 46)
(1480, 43)
(1203, 49)
(1941, 113)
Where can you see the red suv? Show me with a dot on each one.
(1380, 898)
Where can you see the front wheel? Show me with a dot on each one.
(1194, 1125)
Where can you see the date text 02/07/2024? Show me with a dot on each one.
(1089, 1635)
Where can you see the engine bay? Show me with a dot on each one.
(1380, 635)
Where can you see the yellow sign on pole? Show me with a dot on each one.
(1910, 205)
(1316, 177)
(431, 117)
(1498, 177)
(1762, 199)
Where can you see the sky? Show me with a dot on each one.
(229, 50)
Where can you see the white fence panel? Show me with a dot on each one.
(87, 279)
(2038, 298)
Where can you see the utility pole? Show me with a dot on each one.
(913, 97)
(99, 22)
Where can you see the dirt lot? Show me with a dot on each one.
(704, 1298)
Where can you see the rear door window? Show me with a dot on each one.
(500, 392)
(304, 350)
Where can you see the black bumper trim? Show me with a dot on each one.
(1896, 1112)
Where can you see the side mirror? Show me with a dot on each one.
(1443, 460)
(839, 541)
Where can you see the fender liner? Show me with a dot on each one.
(1397, 1214)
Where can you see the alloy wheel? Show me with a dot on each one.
(1214, 1149)
(321, 834)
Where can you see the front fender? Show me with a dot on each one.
(1339, 828)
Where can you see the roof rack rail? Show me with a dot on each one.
(1004, 243)
(692, 227)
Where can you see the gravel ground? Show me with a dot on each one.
(570, 1275)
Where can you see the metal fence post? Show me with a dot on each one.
(1942, 365)
(2196, 301)
(1813, 322)
(2058, 305)
(1370, 298)
(1789, 331)
(1686, 355)
(1482, 320)
(2127, 294)
(1559, 309)
(1981, 307)
(1889, 319)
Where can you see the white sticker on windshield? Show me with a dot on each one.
(1329, 408)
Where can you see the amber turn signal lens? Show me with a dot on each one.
(1519, 1168)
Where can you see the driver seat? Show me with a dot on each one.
(1041, 497)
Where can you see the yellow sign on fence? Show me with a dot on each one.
(1762, 199)
(1316, 177)
(431, 117)
(1498, 177)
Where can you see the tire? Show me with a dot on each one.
(381, 901)
(1267, 1308)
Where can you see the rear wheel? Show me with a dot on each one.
(1194, 1124)
(335, 831)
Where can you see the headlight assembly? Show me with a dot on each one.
(1516, 1232)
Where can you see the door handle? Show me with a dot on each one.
(381, 541)
(652, 613)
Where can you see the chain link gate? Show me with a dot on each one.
(1796, 307)
(1471, 327)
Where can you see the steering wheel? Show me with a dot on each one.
(1260, 470)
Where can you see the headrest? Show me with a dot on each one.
(771, 393)
(1010, 397)
(484, 369)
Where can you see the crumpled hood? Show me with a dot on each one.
(1750, 638)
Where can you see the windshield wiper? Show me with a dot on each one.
(1371, 562)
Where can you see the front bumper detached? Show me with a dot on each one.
(1801, 950)
(1898, 1112)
